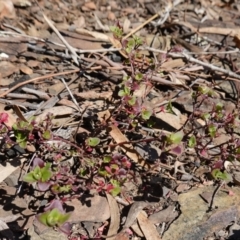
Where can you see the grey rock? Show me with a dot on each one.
(195, 222)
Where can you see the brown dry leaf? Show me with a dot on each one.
(12, 46)
(7, 9)
(158, 42)
(149, 230)
(236, 40)
(8, 169)
(96, 35)
(56, 111)
(78, 40)
(142, 91)
(98, 211)
(111, 16)
(117, 135)
(25, 69)
(7, 68)
(133, 213)
(174, 120)
(33, 63)
(126, 25)
(174, 78)
(166, 215)
(89, 6)
(94, 95)
(115, 216)
(182, 187)
(19, 113)
(79, 22)
(173, 63)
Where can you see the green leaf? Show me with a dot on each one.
(46, 175)
(63, 218)
(138, 40)
(103, 172)
(121, 93)
(115, 191)
(132, 116)
(65, 188)
(169, 108)
(218, 175)
(175, 138)
(117, 32)
(37, 174)
(203, 89)
(150, 123)
(132, 101)
(124, 92)
(29, 178)
(212, 130)
(146, 114)
(23, 144)
(107, 159)
(219, 106)
(47, 135)
(192, 141)
(134, 123)
(53, 218)
(139, 76)
(43, 218)
(205, 116)
(93, 142)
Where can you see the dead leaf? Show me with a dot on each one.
(7, 9)
(12, 46)
(97, 35)
(128, 149)
(98, 211)
(166, 215)
(25, 69)
(149, 230)
(7, 68)
(33, 63)
(182, 187)
(173, 63)
(174, 120)
(115, 217)
(111, 16)
(90, 5)
(79, 22)
(56, 111)
(134, 212)
(93, 95)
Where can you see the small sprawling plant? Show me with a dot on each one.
(137, 76)
(50, 174)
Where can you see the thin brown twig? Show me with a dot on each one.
(191, 59)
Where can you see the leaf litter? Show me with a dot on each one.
(194, 47)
